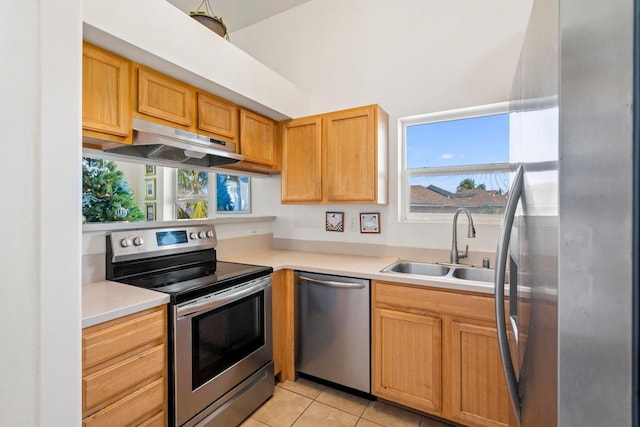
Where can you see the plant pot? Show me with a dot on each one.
(213, 23)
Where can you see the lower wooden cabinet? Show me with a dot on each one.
(437, 351)
(407, 359)
(124, 371)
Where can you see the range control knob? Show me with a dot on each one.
(138, 241)
(125, 243)
(209, 233)
(201, 234)
(193, 235)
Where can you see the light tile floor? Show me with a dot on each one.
(307, 404)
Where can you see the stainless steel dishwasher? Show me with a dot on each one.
(333, 329)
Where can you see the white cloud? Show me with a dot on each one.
(447, 156)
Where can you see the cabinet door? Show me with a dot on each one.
(105, 92)
(351, 156)
(257, 138)
(218, 116)
(478, 389)
(302, 160)
(164, 98)
(282, 298)
(407, 359)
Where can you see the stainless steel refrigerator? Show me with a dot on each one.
(570, 244)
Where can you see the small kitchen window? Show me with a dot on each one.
(455, 159)
(192, 194)
(233, 194)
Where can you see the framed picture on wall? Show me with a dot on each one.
(370, 222)
(151, 211)
(149, 169)
(150, 188)
(334, 221)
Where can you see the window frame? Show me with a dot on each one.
(404, 190)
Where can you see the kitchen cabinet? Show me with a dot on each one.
(106, 105)
(162, 97)
(257, 138)
(218, 116)
(301, 178)
(259, 145)
(436, 351)
(337, 157)
(124, 370)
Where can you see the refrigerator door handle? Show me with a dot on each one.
(501, 264)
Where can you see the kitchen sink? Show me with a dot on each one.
(419, 268)
(454, 271)
(476, 274)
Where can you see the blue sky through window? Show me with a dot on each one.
(462, 142)
(473, 141)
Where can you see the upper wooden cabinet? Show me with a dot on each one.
(162, 97)
(257, 134)
(437, 351)
(302, 160)
(338, 157)
(106, 112)
(218, 116)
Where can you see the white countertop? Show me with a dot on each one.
(106, 300)
(366, 267)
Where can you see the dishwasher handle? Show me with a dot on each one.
(333, 283)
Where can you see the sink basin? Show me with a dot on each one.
(420, 268)
(476, 274)
(455, 271)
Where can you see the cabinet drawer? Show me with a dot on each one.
(428, 300)
(103, 344)
(158, 420)
(147, 400)
(108, 383)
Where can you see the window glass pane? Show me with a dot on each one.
(482, 193)
(192, 184)
(473, 141)
(192, 210)
(234, 193)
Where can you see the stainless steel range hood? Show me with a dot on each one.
(176, 147)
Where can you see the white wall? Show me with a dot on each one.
(411, 57)
(40, 115)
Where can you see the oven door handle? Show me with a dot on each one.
(220, 299)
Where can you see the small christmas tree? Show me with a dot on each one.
(106, 195)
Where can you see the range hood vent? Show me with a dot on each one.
(177, 147)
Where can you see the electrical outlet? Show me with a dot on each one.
(353, 224)
(254, 231)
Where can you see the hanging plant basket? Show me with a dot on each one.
(209, 20)
(213, 23)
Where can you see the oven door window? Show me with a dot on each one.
(224, 336)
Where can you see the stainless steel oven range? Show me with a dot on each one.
(220, 348)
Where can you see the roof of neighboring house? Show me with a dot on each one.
(432, 195)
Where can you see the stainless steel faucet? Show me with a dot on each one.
(471, 233)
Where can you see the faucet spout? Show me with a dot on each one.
(471, 233)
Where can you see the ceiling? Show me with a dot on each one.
(238, 14)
